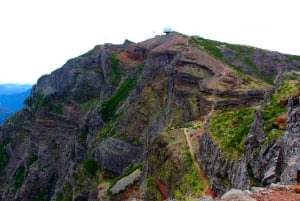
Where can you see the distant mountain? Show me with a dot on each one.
(12, 97)
(9, 89)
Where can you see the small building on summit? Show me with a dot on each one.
(167, 30)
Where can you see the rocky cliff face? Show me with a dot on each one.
(119, 108)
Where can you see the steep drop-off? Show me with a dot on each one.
(116, 115)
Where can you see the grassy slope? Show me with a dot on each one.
(229, 129)
(274, 110)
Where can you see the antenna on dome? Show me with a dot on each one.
(167, 30)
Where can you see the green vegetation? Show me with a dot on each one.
(32, 158)
(109, 107)
(251, 82)
(210, 46)
(229, 129)
(273, 110)
(67, 195)
(82, 136)
(242, 53)
(171, 148)
(92, 103)
(90, 167)
(42, 101)
(197, 72)
(85, 92)
(19, 176)
(115, 72)
(225, 182)
(39, 101)
(190, 182)
(108, 131)
(57, 109)
(87, 175)
(297, 58)
(4, 157)
(41, 195)
(151, 190)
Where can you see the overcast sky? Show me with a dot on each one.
(39, 36)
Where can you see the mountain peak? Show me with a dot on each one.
(173, 116)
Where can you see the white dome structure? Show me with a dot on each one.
(167, 30)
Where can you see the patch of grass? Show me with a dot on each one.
(82, 136)
(91, 167)
(249, 62)
(240, 50)
(57, 109)
(190, 124)
(297, 58)
(37, 102)
(210, 46)
(18, 177)
(86, 106)
(108, 108)
(225, 182)
(253, 180)
(108, 131)
(41, 196)
(32, 159)
(242, 53)
(67, 195)
(274, 110)
(249, 81)
(115, 73)
(229, 129)
(190, 184)
(59, 197)
(169, 152)
(191, 70)
(86, 176)
(85, 92)
(151, 190)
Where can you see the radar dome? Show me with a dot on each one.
(167, 30)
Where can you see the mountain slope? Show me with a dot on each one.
(119, 108)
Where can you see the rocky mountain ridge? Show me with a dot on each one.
(119, 108)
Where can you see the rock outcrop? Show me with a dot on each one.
(115, 155)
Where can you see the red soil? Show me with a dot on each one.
(162, 188)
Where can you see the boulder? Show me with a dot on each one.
(115, 154)
(237, 195)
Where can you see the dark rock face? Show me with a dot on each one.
(70, 81)
(115, 155)
(290, 144)
(91, 124)
(224, 173)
